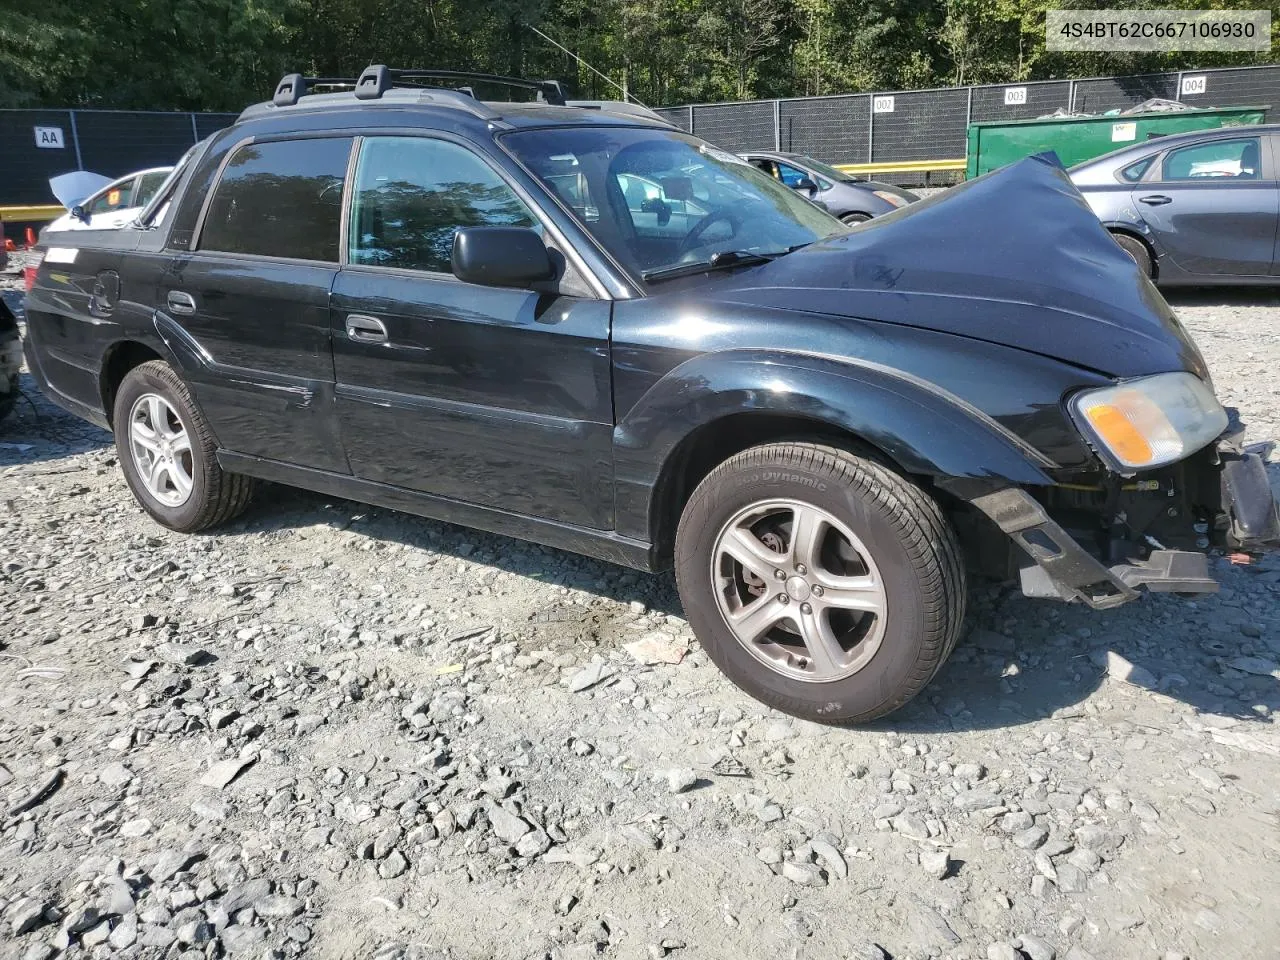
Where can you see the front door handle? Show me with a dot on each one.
(364, 329)
(1155, 200)
(181, 304)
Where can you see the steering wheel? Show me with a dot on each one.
(693, 236)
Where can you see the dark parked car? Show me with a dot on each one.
(465, 310)
(10, 358)
(853, 201)
(1196, 208)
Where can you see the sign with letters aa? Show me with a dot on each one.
(50, 138)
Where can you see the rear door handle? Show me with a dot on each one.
(181, 304)
(364, 329)
(1155, 200)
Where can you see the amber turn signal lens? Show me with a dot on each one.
(1116, 430)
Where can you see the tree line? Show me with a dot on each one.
(224, 54)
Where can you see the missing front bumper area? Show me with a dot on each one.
(1065, 571)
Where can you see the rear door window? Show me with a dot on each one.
(1218, 160)
(282, 198)
(412, 194)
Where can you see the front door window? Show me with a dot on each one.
(412, 194)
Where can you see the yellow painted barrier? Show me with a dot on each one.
(49, 211)
(902, 166)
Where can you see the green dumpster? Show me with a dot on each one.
(1076, 139)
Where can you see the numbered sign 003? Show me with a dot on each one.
(1015, 96)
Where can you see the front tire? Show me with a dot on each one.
(821, 583)
(856, 218)
(168, 454)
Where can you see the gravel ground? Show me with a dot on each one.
(337, 731)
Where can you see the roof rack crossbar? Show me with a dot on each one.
(379, 78)
(293, 86)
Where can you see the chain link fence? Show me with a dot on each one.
(39, 144)
(921, 125)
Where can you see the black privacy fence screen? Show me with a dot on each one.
(931, 125)
(38, 144)
(904, 126)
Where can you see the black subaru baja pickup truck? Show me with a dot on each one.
(579, 326)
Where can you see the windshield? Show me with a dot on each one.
(658, 200)
(826, 170)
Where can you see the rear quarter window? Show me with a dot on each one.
(1135, 171)
(281, 198)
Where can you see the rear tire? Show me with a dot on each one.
(168, 453)
(864, 625)
(856, 217)
(1136, 249)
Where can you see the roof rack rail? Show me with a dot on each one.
(293, 86)
(377, 79)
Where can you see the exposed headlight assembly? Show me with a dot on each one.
(1151, 421)
(892, 198)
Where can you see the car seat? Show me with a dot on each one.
(1249, 160)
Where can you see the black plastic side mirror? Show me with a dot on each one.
(807, 185)
(501, 257)
(79, 213)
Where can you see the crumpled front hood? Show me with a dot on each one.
(1015, 257)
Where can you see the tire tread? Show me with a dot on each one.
(227, 495)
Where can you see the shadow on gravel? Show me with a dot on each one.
(1222, 296)
(38, 431)
(1051, 672)
(277, 507)
(1019, 660)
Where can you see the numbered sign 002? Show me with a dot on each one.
(882, 104)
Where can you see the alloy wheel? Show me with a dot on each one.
(799, 590)
(161, 450)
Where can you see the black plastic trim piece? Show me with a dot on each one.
(600, 544)
(1066, 570)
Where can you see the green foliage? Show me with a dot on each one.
(223, 54)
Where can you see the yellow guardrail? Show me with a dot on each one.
(26, 214)
(902, 166)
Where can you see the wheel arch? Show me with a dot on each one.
(710, 444)
(117, 360)
(717, 405)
